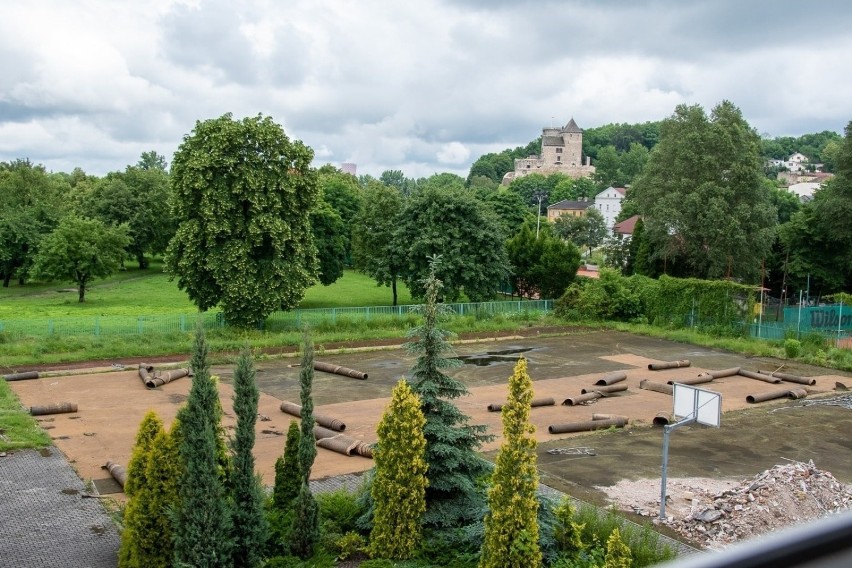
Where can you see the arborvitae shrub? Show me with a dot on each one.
(288, 476)
(617, 552)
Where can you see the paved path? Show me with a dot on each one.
(44, 522)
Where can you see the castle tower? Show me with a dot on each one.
(561, 152)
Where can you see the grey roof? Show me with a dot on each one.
(572, 127)
(552, 141)
(572, 205)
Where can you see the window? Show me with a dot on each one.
(559, 150)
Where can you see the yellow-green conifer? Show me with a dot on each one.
(511, 525)
(399, 485)
(618, 554)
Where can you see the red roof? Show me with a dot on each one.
(626, 227)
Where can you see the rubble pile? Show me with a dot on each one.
(784, 495)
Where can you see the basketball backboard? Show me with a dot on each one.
(702, 405)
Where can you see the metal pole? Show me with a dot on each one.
(760, 313)
(538, 219)
(799, 323)
(839, 321)
(666, 431)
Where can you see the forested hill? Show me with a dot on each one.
(611, 142)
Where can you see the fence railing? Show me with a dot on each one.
(279, 321)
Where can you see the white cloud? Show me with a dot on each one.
(453, 153)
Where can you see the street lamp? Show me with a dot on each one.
(538, 194)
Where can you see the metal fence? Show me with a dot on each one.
(279, 321)
(832, 322)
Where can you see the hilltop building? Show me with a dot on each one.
(561, 152)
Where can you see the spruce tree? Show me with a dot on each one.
(399, 484)
(202, 524)
(511, 525)
(247, 494)
(288, 477)
(306, 522)
(452, 498)
(130, 554)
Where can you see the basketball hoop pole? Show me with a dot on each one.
(666, 432)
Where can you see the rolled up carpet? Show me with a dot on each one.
(722, 373)
(117, 472)
(587, 426)
(145, 371)
(786, 377)
(598, 416)
(161, 379)
(364, 449)
(785, 393)
(341, 444)
(612, 378)
(700, 379)
(662, 419)
(605, 389)
(536, 402)
(61, 408)
(338, 370)
(656, 387)
(575, 400)
(25, 376)
(669, 365)
(294, 409)
(759, 377)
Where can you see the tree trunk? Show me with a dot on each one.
(393, 286)
(143, 262)
(6, 279)
(81, 292)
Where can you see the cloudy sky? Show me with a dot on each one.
(421, 87)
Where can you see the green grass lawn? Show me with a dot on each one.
(17, 428)
(137, 292)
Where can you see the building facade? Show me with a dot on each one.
(608, 204)
(561, 152)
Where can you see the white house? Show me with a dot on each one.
(608, 203)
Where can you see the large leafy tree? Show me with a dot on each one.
(511, 524)
(587, 230)
(706, 212)
(138, 197)
(451, 441)
(467, 236)
(249, 521)
(243, 192)
(399, 484)
(80, 250)
(331, 238)
(343, 193)
(542, 266)
(374, 248)
(30, 205)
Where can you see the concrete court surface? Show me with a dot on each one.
(111, 405)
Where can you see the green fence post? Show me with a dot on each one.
(333, 316)
(97, 326)
(50, 327)
(139, 325)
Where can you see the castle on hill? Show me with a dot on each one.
(561, 152)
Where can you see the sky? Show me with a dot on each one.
(422, 87)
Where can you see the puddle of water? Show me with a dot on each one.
(494, 357)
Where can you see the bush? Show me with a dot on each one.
(349, 545)
(792, 348)
(339, 510)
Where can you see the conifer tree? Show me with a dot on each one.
(452, 498)
(306, 522)
(202, 525)
(618, 554)
(288, 476)
(567, 533)
(247, 494)
(160, 496)
(399, 484)
(129, 554)
(511, 525)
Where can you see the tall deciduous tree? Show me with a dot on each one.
(451, 441)
(331, 238)
(305, 532)
(243, 196)
(587, 230)
(249, 521)
(80, 250)
(542, 266)
(511, 525)
(374, 248)
(399, 483)
(706, 212)
(468, 237)
(202, 529)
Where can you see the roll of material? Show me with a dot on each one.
(773, 395)
(700, 379)
(61, 408)
(535, 403)
(575, 400)
(669, 365)
(656, 387)
(612, 378)
(759, 377)
(733, 371)
(25, 376)
(587, 426)
(786, 377)
(608, 417)
(605, 389)
(341, 443)
(338, 370)
(662, 419)
(294, 409)
(145, 371)
(160, 378)
(118, 472)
